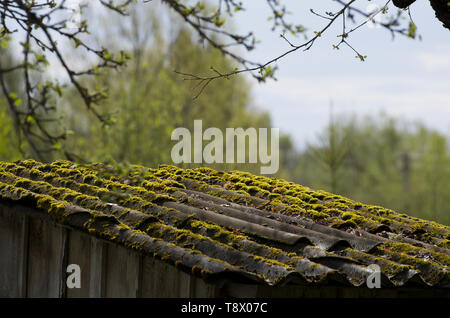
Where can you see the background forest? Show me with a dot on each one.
(377, 160)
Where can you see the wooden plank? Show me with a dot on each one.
(121, 272)
(97, 268)
(46, 271)
(201, 289)
(13, 245)
(237, 290)
(64, 251)
(80, 254)
(88, 253)
(160, 279)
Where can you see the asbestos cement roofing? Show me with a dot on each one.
(234, 225)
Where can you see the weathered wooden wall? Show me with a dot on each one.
(35, 253)
(13, 253)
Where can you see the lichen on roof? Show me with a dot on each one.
(213, 223)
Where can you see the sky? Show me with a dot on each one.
(408, 79)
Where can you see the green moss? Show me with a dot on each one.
(409, 249)
(332, 212)
(286, 197)
(444, 244)
(358, 206)
(388, 267)
(112, 197)
(270, 262)
(337, 205)
(341, 224)
(349, 216)
(23, 183)
(316, 215)
(215, 231)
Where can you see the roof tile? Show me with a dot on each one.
(234, 224)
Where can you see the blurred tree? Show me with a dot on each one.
(9, 143)
(373, 161)
(11, 146)
(149, 100)
(44, 30)
(403, 167)
(432, 175)
(333, 149)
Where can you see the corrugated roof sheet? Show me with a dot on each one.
(235, 225)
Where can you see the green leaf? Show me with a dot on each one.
(57, 146)
(30, 119)
(412, 30)
(219, 22)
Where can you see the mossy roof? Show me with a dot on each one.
(234, 225)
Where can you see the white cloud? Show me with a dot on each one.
(434, 61)
(401, 92)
